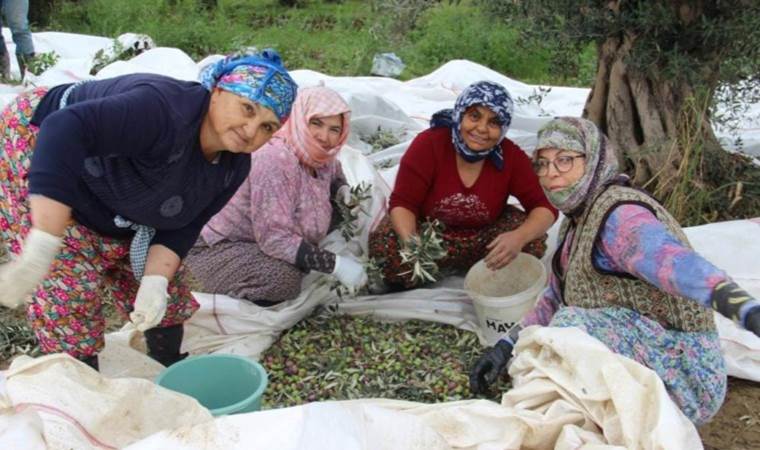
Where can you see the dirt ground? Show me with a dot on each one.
(737, 424)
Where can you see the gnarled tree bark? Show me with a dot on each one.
(641, 114)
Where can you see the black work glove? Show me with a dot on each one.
(752, 321)
(490, 365)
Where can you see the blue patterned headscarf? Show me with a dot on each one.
(257, 76)
(486, 93)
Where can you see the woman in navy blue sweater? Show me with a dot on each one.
(107, 184)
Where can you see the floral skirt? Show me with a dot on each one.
(690, 364)
(66, 309)
(464, 247)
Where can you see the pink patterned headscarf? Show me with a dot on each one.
(311, 102)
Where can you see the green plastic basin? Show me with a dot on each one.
(225, 384)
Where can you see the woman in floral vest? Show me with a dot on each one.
(625, 273)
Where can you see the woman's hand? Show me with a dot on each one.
(503, 249)
(150, 303)
(404, 223)
(19, 278)
(152, 296)
(350, 273)
(489, 367)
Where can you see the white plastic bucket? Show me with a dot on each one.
(501, 297)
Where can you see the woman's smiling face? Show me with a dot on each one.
(326, 130)
(239, 124)
(480, 128)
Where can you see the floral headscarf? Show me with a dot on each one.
(580, 136)
(486, 93)
(312, 102)
(257, 76)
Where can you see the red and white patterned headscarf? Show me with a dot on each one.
(311, 102)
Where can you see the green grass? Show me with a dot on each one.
(492, 44)
(337, 38)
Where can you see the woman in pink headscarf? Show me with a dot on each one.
(265, 240)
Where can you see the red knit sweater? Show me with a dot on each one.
(428, 183)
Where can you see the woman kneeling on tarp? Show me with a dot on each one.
(460, 172)
(625, 273)
(106, 186)
(260, 246)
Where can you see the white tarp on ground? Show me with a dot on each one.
(627, 401)
(570, 392)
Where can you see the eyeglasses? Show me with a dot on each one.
(562, 163)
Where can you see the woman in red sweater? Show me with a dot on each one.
(461, 171)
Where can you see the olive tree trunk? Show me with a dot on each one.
(643, 116)
(646, 114)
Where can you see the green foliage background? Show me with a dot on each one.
(335, 37)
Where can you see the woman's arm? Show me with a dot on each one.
(538, 222)
(541, 314)
(20, 277)
(505, 247)
(161, 261)
(413, 181)
(524, 185)
(634, 241)
(404, 222)
(274, 193)
(48, 215)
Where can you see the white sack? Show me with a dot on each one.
(83, 409)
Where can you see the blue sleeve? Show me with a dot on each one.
(132, 123)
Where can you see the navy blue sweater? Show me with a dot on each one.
(130, 146)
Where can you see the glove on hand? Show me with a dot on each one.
(752, 321)
(343, 194)
(150, 303)
(349, 272)
(490, 365)
(20, 277)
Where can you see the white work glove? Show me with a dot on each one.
(343, 195)
(150, 303)
(349, 272)
(19, 278)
